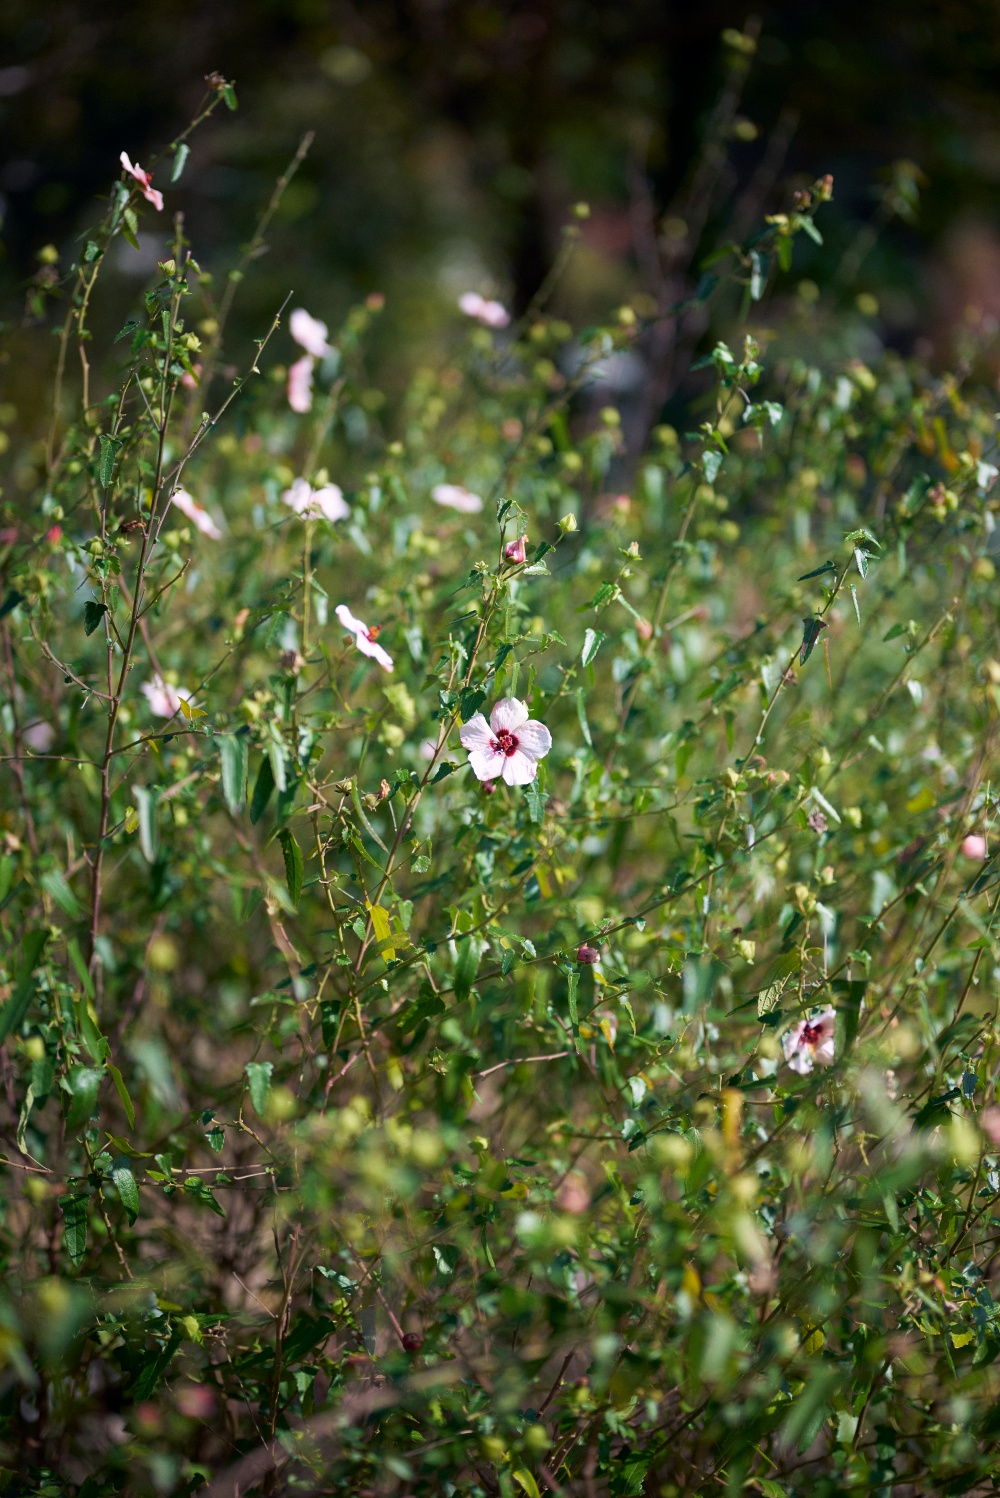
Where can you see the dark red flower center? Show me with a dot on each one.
(812, 1034)
(504, 743)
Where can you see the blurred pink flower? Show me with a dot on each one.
(974, 846)
(810, 1042)
(509, 746)
(364, 638)
(587, 955)
(163, 698)
(990, 1123)
(309, 333)
(454, 497)
(428, 748)
(514, 550)
(54, 535)
(327, 501)
(196, 513)
(145, 181)
(39, 736)
(490, 314)
(191, 378)
(300, 384)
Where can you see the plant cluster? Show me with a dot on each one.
(499, 951)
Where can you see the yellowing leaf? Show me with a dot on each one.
(383, 932)
(814, 1341)
(922, 801)
(524, 1479)
(131, 819)
(962, 1339)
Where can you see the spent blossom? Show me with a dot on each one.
(327, 501)
(145, 181)
(490, 314)
(509, 746)
(514, 551)
(164, 699)
(366, 639)
(196, 513)
(810, 1042)
(454, 497)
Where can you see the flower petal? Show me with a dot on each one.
(348, 620)
(300, 375)
(486, 764)
(508, 713)
(535, 738)
(330, 502)
(454, 497)
(476, 734)
(519, 768)
(309, 332)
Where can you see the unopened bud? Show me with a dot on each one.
(586, 956)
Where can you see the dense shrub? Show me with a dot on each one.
(374, 1127)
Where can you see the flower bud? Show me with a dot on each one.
(586, 955)
(567, 524)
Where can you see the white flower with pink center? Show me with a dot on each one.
(509, 746)
(327, 501)
(454, 497)
(145, 181)
(309, 333)
(810, 1042)
(196, 513)
(164, 699)
(366, 639)
(490, 314)
(300, 384)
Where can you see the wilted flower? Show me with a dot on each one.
(974, 846)
(810, 1042)
(163, 698)
(490, 314)
(328, 501)
(309, 333)
(509, 746)
(514, 551)
(586, 955)
(364, 638)
(300, 384)
(454, 497)
(196, 513)
(145, 181)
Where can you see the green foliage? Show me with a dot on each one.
(629, 1130)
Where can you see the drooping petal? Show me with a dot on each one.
(487, 764)
(470, 302)
(348, 620)
(196, 513)
(309, 333)
(153, 195)
(519, 768)
(476, 734)
(300, 377)
(494, 315)
(299, 496)
(375, 650)
(508, 713)
(534, 738)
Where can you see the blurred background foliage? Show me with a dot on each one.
(452, 135)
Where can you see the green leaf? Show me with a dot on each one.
(466, 967)
(180, 160)
(263, 786)
(125, 1184)
(524, 1480)
(292, 854)
(592, 642)
(149, 839)
(196, 1187)
(259, 1082)
(95, 1042)
(109, 452)
(131, 324)
(818, 571)
(235, 770)
(93, 613)
(155, 1367)
(74, 1211)
(536, 800)
(84, 1083)
(16, 1007)
(229, 94)
(122, 1091)
(53, 881)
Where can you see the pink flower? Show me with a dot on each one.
(586, 955)
(196, 513)
(39, 736)
(810, 1042)
(328, 501)
(974, 846)
(191, 378)
(364, 638)
(490, 314)
(514, 550)
(145, 181)
(454, 497)
(989, 1119)
(300, 384)
(54, 535)
(309, 333)
(164, 700)
(509, 746)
